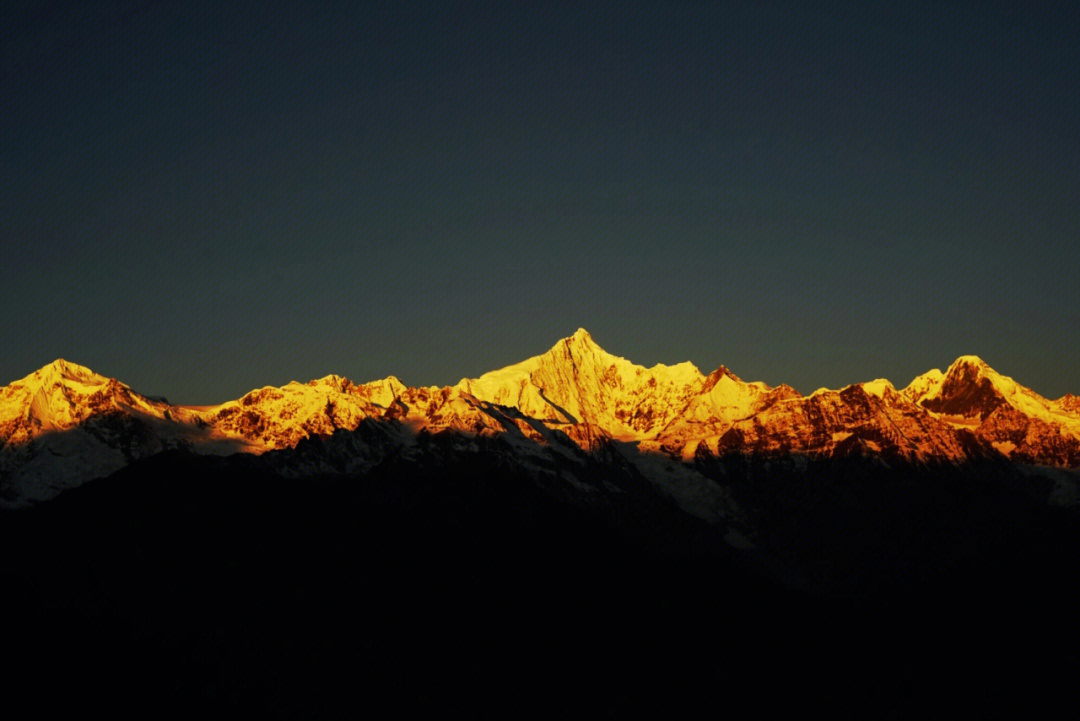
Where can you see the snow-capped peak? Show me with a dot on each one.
(60, 371)
(384, 391)
(580, 342)
(716, 376)
(56, 396)
(578, 381)
(971, 388)
(722, 399)
(970, 368)
(924, 386)
(878, 387)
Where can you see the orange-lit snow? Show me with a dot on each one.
(575, 388)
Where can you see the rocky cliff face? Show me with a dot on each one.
(1069, 403)
(836, 423)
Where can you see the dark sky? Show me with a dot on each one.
(200, 200)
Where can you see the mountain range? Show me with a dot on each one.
(64, 424)
(571, 533)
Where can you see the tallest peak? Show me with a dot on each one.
(581, 337)
(579, 342)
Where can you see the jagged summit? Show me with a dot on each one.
(717, 375)
(577, 344)
(64, 366)
(580, 340)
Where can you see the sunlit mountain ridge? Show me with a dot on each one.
(64, 424)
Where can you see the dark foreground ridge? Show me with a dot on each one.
(454, 581)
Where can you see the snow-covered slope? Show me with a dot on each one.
(63, 425)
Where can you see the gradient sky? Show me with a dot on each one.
(201, 200)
